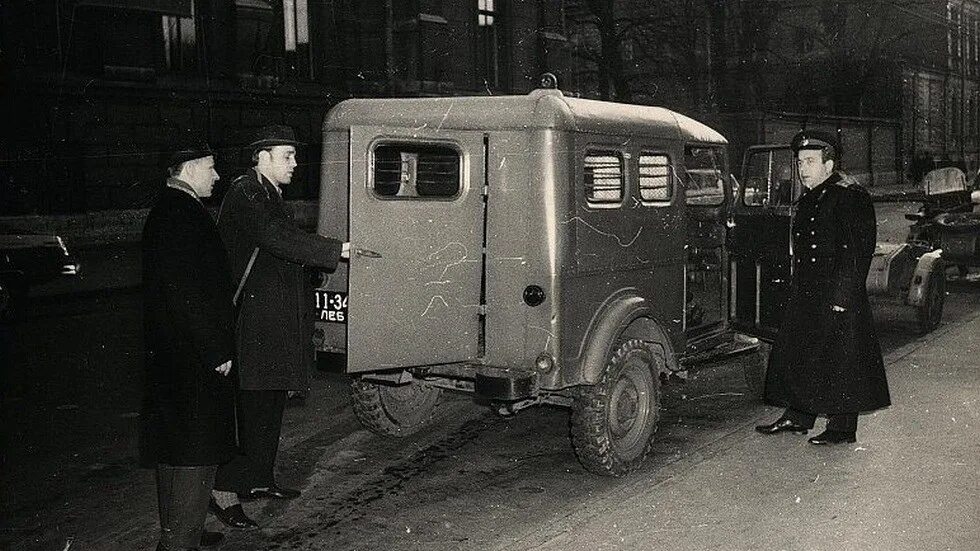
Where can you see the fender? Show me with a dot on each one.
(929, 266)
(625, 314)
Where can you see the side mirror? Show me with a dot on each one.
(975, 197)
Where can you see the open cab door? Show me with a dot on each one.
(760, 243)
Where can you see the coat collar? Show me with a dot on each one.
(818, 191)
(267, 183)
(183, 186)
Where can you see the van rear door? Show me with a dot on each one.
(416, 232)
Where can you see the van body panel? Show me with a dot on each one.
(538, 110)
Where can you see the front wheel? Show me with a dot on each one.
(930, 313)
(391, 410)
(613, 422)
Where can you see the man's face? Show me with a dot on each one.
(201, 175)
(813, 169)
(279, 163)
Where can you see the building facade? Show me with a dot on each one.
(95, 93)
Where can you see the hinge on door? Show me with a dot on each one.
(481, 309)
(486, 190)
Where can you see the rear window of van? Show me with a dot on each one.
(407, 171)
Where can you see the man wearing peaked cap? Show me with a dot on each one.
(268, 253)
(188, 415)
(818, 140)
(826, 359)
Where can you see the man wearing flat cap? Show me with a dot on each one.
(274, 327)
(188, 416)
(826, 359)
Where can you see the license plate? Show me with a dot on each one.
(331, 306)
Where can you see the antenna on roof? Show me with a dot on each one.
(549, 81)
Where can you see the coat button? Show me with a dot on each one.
(813, 259)
(812, 218)
(814, 246)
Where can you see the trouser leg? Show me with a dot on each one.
(843, 422)
(183, 494)
(263, 414)
(259, 414)
(801, 418)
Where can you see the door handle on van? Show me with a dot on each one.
(367, 253)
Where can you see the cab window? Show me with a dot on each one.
(770, 179)
(656, 178)
(603, 177)
(413, 171)
(705, 175)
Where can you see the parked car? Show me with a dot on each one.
(30, 259)
(947, 221)
(536, 249)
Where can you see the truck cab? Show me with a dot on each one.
(527, 249)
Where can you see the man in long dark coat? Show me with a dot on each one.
(188, 424)
(826, 358)
(268, 252)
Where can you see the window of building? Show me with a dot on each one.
(705, 175)
(603, 177)
(656, 178)
(123, 40)
(412, 171)
(488, 47)
(180, 42)
(273, 38)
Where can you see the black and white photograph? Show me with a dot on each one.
(490, 275)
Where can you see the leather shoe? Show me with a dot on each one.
(211, 539)
(232, 517)
(273, 492)
(782, 425)
(833, 437)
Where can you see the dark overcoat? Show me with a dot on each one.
(188, 415)
(827, 362)
(274, 328)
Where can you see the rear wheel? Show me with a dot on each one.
(613, 422)
(930, 313)
(394, 410)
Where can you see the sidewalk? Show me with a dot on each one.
(912, 482)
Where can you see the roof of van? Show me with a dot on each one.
(539, 109)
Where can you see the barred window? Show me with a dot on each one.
(604, 177)
(407, 171)
(656, 182)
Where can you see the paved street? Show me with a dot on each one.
(477, 481)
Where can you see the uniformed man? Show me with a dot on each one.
(826, 358)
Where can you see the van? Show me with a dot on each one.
(536, 249)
